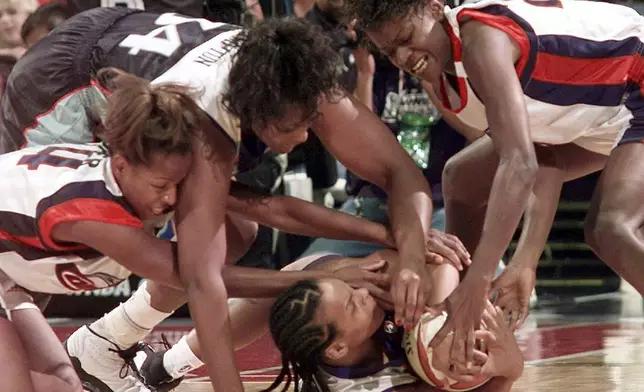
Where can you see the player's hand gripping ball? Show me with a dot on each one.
(419, 355)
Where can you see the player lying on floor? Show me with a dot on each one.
(340, 339)
(72, 219)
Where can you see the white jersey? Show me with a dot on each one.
(580, 68)
(52, 95)
(43, 186)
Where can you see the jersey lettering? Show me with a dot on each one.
(48, 157)
(133, 4)
(165, 39)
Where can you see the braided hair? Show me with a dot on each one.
(299, 339)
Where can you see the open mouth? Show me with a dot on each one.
(420, 65)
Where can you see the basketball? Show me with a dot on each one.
(419, 354)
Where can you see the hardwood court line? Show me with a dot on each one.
(255, 371)
(564, 357)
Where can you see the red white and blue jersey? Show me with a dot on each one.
(580, 67)
(42, 187)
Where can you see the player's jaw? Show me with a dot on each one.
(284, 134)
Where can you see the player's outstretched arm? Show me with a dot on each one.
(296, 216)
(138, 251)
(356, 137)
(489, 56)
(201, 237)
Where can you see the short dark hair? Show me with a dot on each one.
(48, 15)
(372, 13)
(280, 63)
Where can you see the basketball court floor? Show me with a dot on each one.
(590, 344)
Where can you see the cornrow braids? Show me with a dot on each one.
(372, 13)
(300, 341)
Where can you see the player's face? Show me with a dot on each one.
(354, 313)
(12, 16)
(416, 43)
(151, 190)
(283, 135)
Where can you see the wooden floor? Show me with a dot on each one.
(592, 344)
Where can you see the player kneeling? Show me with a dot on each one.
(71, 219)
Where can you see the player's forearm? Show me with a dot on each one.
(410, 212)
(538, 217)
(207, 300)
(511, 189)
(364, 89)
(292, 215)
(242, 282)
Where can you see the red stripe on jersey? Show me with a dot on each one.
(462, 83)
(581, 71)
(83, 209)
(33, 242)
(508, 26)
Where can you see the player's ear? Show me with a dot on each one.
(336, 350)
(119, 165)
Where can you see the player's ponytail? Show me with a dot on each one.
(143, 118)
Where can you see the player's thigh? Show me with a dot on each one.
(468, 175)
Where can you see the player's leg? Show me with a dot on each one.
(615, 218)
(467, 180)
(468, 177)
(248, 323)
(122, 328)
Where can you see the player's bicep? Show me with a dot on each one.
(489, 57)
(355, 136)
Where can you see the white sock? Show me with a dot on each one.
(180, 359)
(131, 321)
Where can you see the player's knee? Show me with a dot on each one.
(451, 178)
(455, 183)
(66, 373)
(602, 230)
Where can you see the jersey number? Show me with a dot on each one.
(48, 157)
(165, 39)
(133, 4)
